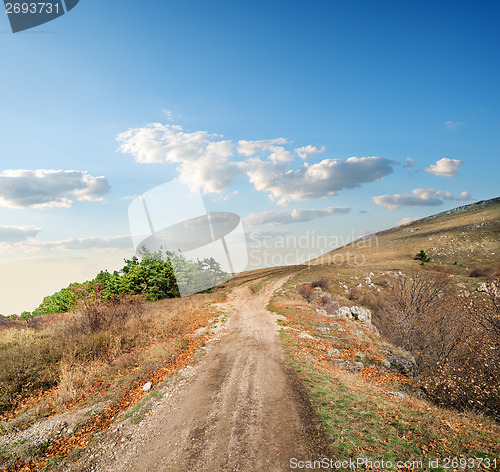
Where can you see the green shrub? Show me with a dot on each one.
(151, 277)
(422, 257)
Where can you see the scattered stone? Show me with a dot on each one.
(147, 387)
(403, 365)
(368, 281)
(305, 335)
(399, 395)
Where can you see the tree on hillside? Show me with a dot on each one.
(422, 257)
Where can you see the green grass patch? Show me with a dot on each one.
(141, 408)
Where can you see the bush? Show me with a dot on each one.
(422, 257)
(95, 314)
(482, 272)
(326, 298)
(455, 340)
(323, 282)
(307, 291)
(151, 277)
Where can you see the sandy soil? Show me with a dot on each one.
(240, 408)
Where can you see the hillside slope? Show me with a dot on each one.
(468, 235)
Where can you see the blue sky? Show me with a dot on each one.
(337, 118)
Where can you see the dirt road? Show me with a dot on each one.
(240, 409)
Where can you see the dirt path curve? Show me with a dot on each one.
(243, 410)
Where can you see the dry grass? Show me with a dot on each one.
(81, 360)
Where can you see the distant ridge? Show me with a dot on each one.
(470, 206)
(460, 209)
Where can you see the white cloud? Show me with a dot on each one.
(209, 164)
(112, 242)
(445, 167)
(49, 188)
(418, 197)
(156, 143)
(168, 114)
(407, 220)
(26, 242)
(452, 125)
(464, 197)
(273, 146)
(323, 179)
(409, 162)
(17, 234)
(281, 217)
(202, 162)
(307, 151)
(250, 148)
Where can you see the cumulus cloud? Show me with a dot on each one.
(464, 197)
(202, 162)
(17, 234)
(418, 197)
(308, 151)
(49, 188)
(452, 125)
(205, 162)
(250, 148)
(281, 217)
(445, 167)
(323, 179)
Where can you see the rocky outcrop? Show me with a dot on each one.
(355, 312)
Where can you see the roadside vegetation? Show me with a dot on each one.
(387, 403)
(151, 277)
(99, 354)
(422, 380)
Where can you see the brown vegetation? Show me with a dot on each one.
(454, 339)
(481, 272)
(103, 348)
(307, 291)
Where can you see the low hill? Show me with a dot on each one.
(459, 240)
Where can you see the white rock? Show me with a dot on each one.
(147, 386)
(361, 314)
(343, 311)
